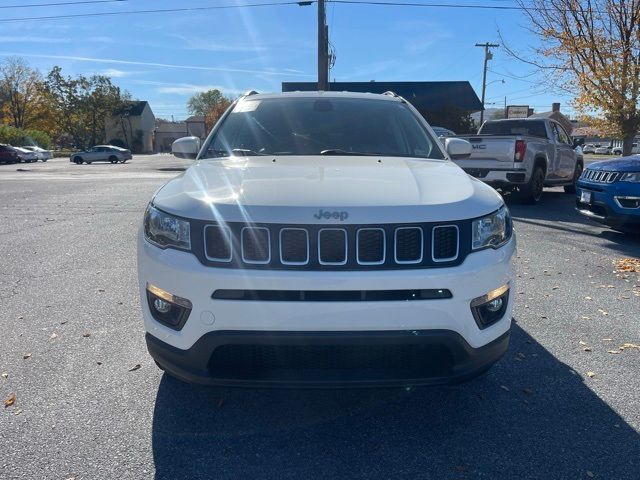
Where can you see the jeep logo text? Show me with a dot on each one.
(342, 216)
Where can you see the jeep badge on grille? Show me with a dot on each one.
(342, 216)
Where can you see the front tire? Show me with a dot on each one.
(531, 193)
(77, 160)
(576, 175)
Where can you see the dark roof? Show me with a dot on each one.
(133, 108)
(195, 119)
(425, 96)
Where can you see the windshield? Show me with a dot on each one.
(322, 126)
(515, 127)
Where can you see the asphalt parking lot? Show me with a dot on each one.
(91, 404)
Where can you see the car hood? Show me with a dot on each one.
(624, 164)
(303, 189)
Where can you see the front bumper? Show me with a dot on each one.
(328, 359)
(603, 207)
(443, 326)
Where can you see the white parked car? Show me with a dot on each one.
(26, 156)
(634, 150)
(101, 153)
(589, 148)
(41, 153)
(325, 239)
(605, 150)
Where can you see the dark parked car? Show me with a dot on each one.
(8, 154)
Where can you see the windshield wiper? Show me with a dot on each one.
(339, 151)
(246, 152)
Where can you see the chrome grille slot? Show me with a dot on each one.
(408, 245)
(370, 246)
(444, 243)
(600, 176)
(255, 245)
(294, 246)
(332, 246)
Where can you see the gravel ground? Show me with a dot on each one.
(70, 306)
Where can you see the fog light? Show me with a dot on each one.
(161, 306)
(494, 305)
(491, 307)
(168, 309)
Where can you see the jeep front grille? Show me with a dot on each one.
(600, 176)
(329, 247)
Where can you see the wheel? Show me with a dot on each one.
(77, 160)
(44, 160)
(113, 159)
(532, 192)
(576, 175)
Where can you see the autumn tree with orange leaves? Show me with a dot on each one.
(210, 104)
(591, 48)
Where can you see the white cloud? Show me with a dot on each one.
(115, 73)
(200, 43)
(33, 39)
(186, 88)
(153, 64)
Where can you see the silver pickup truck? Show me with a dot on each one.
(523, 156)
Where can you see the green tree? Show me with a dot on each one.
(210, 105)
(83, 104)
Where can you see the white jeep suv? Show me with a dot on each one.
(325, 239)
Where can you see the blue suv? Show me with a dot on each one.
(609, 192)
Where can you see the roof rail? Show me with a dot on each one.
(395, 95)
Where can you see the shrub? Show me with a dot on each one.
(19, 137)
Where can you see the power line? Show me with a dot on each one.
(56, 4)
(159, 10)
(385, 3)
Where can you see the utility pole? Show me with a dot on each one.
(323, 44)
(487, 56)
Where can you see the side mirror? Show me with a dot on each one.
(186, 147)
(457, 148)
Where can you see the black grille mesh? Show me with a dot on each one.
(294, 245)
(408, 244)
(370, 245)
(445, 243)
(217, 243)
(255, 244)
(333, 245)
(354, 361)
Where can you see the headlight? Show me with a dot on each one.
(165, 230)
(630, 177)
(493, 230)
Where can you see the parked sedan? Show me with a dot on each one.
(609, 193)
(42, 154)
(589, 148)
(101, 153)
(8, 154)
(634, 150)
(606, 150)
(26, 156)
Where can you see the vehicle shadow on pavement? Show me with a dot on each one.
(556, 212)
(530, 417)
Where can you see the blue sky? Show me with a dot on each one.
(166, 57)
